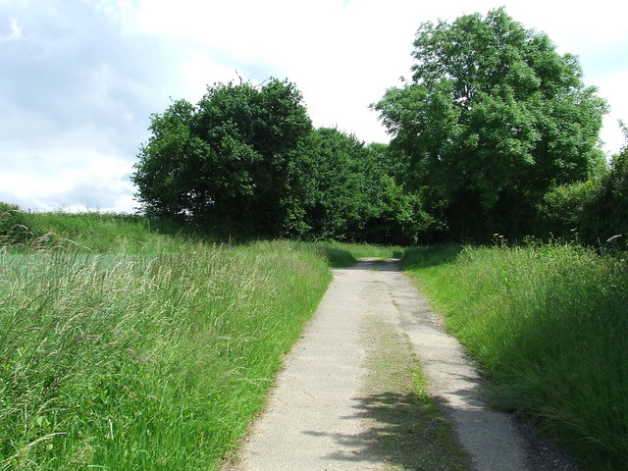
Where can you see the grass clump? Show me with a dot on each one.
(549, 325)
(144, 361)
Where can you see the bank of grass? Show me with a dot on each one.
(122, 233)
(101, 232)
(140, 350)
(135, 344)
(549, 326)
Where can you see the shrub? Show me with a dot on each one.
(563, 207)
(13, 227)
(606, 215)
(594, 211)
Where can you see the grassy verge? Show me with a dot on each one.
(133, 344)
(95, 233)
(549, 325)
(135, 350)
(99, 233)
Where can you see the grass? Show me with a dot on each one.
(408, 428)
(98, 233)
(549, 326)
(125, 348)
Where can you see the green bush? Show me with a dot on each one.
(13, 225)
(606, 215)
(563, 208)
(594, 212)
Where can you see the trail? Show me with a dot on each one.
(333, 409)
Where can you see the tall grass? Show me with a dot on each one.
(549, 325)
(144, 361)
(133, 344)
(98, 233)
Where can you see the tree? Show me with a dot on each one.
(343, 189)
(492, 118)
(245, 159)
(225, 161)
(606, 215)
(329, 184)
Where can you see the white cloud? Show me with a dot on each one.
(611, 87)
(66, 177)
(15, 31)
(196, 65)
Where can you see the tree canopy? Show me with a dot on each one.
(246, 159)
(491, 122)
(226, 158)
(492, 117)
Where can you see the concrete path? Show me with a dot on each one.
(311, 423)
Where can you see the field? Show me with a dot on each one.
(549, 326)
(126, 347)
(131, 344)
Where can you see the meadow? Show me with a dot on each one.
(126, 346)
(548, 325)
(128, 343)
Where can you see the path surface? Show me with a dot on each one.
(311, 423)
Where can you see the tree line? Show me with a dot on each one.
(495, 132)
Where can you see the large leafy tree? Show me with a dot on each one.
(330, 185)
(344, 189)
(492, 118)
(226, 160)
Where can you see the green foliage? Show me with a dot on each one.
(328, 180)
(549, 326)
(563, 207)
(595, 211)
(606, 216)
(13, 225)
(225, 160)
(245, 160)
(340, 186)
(138, 359)
(493, 117)
(345, 190)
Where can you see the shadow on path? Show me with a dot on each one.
(406, 430)
(389, 264)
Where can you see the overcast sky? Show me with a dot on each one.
(80, 78)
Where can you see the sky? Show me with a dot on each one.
(79, 79)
